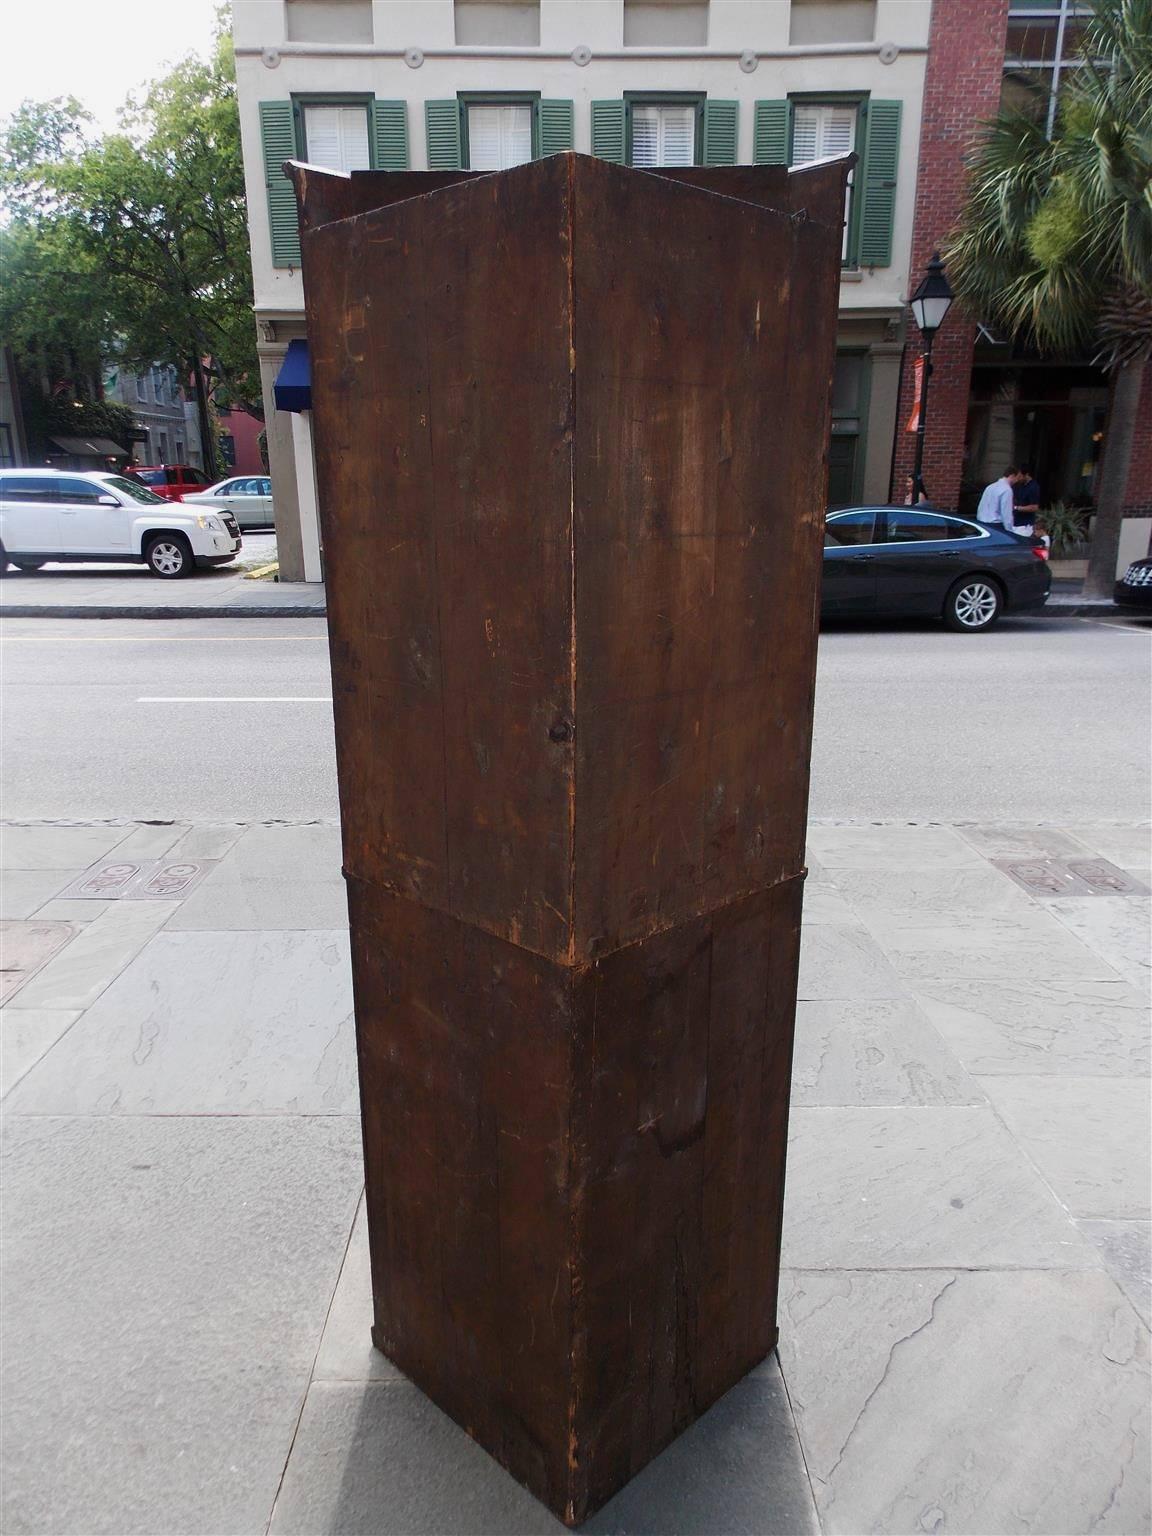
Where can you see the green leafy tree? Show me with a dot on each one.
(52, 293)
(1055, 241)
(54, 308)
(40, 134)
(144, 231)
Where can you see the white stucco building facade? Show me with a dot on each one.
(487, 83)
(169, 420)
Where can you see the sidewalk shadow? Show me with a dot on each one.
(377, 1459)
(1018, 623)
(134, 571)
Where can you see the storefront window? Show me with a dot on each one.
(1047, 416)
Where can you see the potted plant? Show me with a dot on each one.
(1067, 529)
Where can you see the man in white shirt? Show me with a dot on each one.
(996, 504)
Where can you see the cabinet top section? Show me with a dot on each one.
(571, 424)
(815, 190)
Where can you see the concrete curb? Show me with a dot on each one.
(1099, 608)
(1088, 608)
(140, 611)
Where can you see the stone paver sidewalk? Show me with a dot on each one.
(964, 1314)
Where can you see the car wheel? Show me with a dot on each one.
(29, 565)
(169, 555)
(974, 603)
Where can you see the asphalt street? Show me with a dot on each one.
(202, 720)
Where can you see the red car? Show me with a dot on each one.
(172, 481)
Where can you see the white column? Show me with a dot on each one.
(306, 491)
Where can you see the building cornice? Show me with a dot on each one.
(885, 53)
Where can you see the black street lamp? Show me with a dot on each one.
(929, 304)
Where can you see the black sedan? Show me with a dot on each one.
(906, 561)
(1134, 589)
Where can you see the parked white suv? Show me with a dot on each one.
(53, 514)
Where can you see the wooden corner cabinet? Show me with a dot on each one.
(571, 425)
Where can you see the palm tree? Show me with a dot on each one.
(1055, 241)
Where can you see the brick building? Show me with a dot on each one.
(992, 402)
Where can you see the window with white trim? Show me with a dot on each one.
(499, 135)
(336, 137)
(821, 129)
(663, 133)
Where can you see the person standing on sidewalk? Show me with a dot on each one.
(1026, 497)
(996, 504)
(914, 493)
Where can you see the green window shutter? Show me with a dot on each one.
(389, 144)
(608, 135)
(442, 122)
(278, 139)
(771, 132)
(878, 182)
(556, 133)
(720, 120)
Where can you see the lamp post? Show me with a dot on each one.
(929, 304)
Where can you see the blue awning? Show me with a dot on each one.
(293, 386)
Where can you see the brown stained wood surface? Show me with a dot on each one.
(325, 196)
(695, 630)
(444, 329)
(678, 1136)
(447, 680)
(575, 1176)
(571, 425)
(465, 1067)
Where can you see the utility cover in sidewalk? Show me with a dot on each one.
(1106, 879)
(1081, 877)
(24, 948)
(153, 880)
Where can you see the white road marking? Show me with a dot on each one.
(255, 698)
(1106, 622)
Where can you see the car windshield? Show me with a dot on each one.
(152, 476)
(131, 488)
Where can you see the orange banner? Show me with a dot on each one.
(914, 419)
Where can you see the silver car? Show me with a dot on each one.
(247, 497)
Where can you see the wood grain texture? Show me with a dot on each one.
(441, 338)
(695, 629)
(682, 1046)
(324, 196)
(571, 424)
(465, 1058)
(574, 1176)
